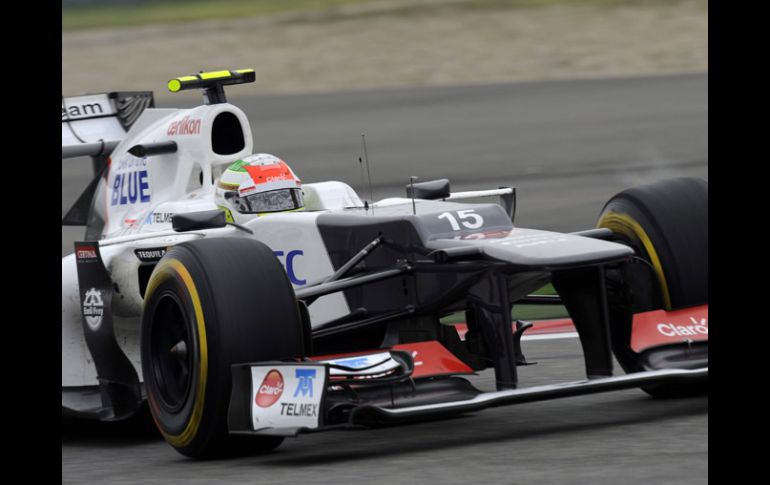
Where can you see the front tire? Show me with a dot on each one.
(666, 223)
(209, 304)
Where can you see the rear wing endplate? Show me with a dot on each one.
(93, 124)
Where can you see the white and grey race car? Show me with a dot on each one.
(238, 335)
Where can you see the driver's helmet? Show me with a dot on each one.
(256, 185)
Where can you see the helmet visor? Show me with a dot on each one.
(273, 201)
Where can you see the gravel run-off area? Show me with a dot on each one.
(443, 44)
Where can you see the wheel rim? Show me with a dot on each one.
(171, 354)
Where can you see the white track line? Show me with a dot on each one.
(549, 336)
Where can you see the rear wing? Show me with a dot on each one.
(93, 124)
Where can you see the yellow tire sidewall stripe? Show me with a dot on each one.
(628, 226)
(166, 269)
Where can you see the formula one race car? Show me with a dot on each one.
(326, 313)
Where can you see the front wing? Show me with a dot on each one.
(376, 389)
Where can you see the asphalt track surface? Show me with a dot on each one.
(568, 146)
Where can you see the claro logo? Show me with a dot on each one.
(698, 327)
(270, 390)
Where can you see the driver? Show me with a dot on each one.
(257, 185)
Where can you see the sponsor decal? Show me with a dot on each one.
(159, 218)
(294, 409)
(131, 188)
(130, 162)
(93, 308)
(238, 166)
(270, 390)
(367, 366)
(86, 252)
(261, 174)
(185, 126)
(697, 327)
(150, 255)
(354, 363)
(84, 107)
(660, 327)
(304, 382)
(288, 263)
(84, 110)
(288, 396)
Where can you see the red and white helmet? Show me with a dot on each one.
(256, 185)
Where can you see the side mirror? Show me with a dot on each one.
(431, 190)
(193, 221)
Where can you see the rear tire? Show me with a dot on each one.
(666, 223)
(209, 304)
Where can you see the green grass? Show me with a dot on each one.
(520, 312)
(176, 11)
(545, 3)
(546, 290)
(180, 11)
(538, 312)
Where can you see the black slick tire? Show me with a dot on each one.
(666, 223)
(209, 304)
